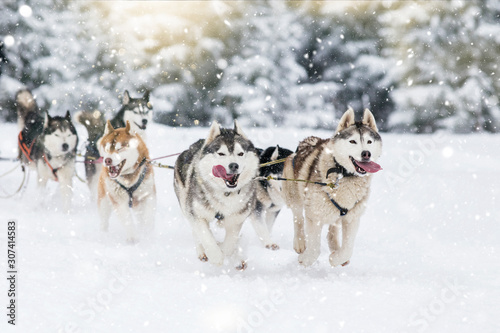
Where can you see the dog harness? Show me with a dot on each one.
(130, 190)
(24, 147)
(54, 171)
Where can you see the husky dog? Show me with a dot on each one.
(206, 192)
(30, 121)
(126, 182)
(48, 145)
(137, 111)
(94, 122)
(346, 160)
(269, 194)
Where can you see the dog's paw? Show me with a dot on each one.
(306, 260)
(299, 245)
(337, 258)
(273, 247)
(242, 266)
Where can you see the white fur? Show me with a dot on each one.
(235, 204)
(311, 203)
(145, 195)
(135, 118)
(53, 144)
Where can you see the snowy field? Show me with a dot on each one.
(425, 260)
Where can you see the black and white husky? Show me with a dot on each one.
(95, 123)
(214, 180)
(270, 199)
(48, 145)
(137, 111)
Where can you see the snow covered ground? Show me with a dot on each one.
(426, 256)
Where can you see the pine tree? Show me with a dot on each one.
(344, 59)
(48, 53)
(447, 67)
(257, 82)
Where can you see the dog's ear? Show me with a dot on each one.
(346, 120)
(238, 130)
(126, 98)
(276, 153)
(108, 129)
(127, 128)
(46, 119)
(369, 120)
(79, 117)
(68, 116)
(145, 97)
(213, 133)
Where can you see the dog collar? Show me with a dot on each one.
(339, 169)
(130, 190)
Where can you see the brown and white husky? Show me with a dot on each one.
(126, 183)
(347, 160)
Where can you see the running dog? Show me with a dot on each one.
(126, 183)
(47, 144)
(346, 162)
(95, 123)
(269, 194)
(137, 111)
(214, 179)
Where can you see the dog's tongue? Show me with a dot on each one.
(370, 167)
(113, 171)
(220, 172)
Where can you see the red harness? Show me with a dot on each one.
(24, 147)
(27, 152)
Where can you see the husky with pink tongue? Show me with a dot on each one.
(215, 180)
(345, 162)
(126, 182)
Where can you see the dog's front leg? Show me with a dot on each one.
(146, 214)
(104, 207)
(233, 228)
(349, 230)
(66, 189)
(313, 241)
(299, 238)
(125, 215)
(42, 179)
(205, 237)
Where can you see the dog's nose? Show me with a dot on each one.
(233, 167)
(65, 146)
(365, 155)
(108, 161)
(144, 122)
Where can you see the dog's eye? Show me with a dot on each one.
(222, 154)
(369, 142)
(353, 142)
(240, 154)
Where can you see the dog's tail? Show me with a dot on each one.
(93, 121)
(25, 103)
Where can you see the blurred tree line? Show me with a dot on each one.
(420, 66)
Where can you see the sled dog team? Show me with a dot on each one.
(222, 177)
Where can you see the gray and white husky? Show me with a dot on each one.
(214, 179)
(137, 111)
(270, 199)
(47, 144)
(346, 160)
